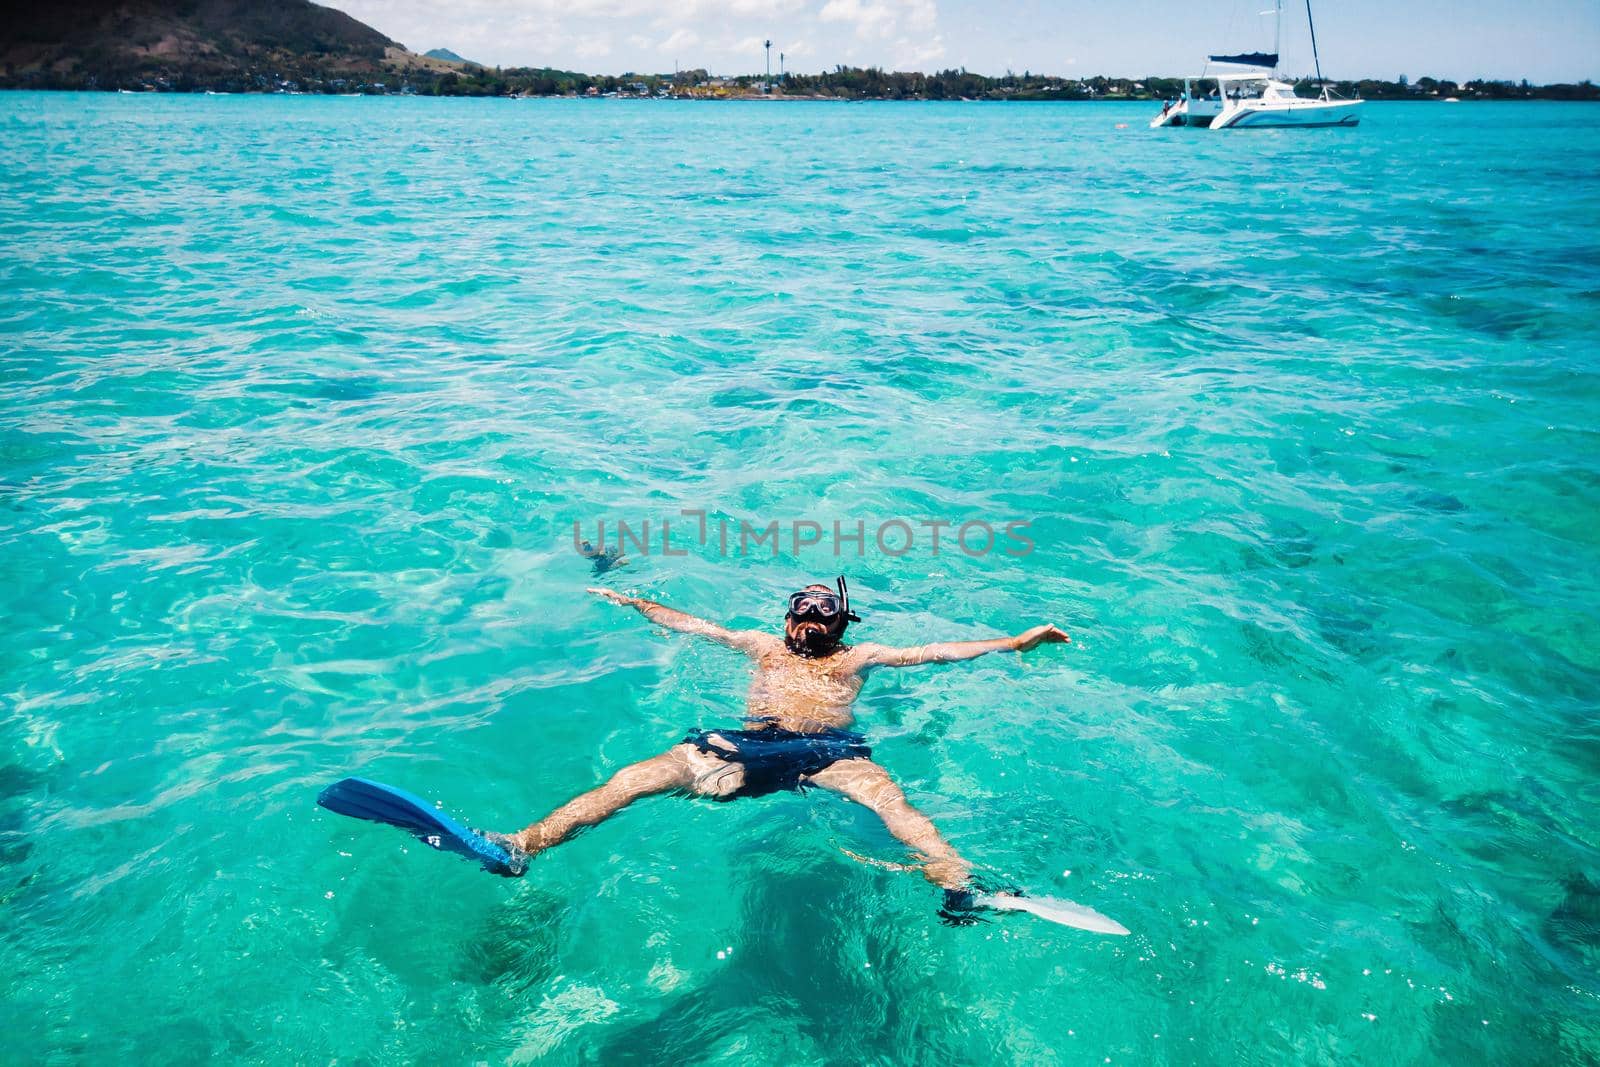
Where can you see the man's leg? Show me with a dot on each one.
(662, 774)
(867, 783)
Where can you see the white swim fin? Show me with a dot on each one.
(1056, 910)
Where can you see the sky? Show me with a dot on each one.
(1541, 40)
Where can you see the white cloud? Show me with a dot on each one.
(870, 19)
(882, 18)
(681, 39)
(918, 54)
(754, 8)
(611, 36)
(592, 46)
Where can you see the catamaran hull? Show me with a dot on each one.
(1310, 115)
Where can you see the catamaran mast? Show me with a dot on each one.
(1277, 28)
(1315, 58)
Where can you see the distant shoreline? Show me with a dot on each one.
(403, 73)
(746, 98)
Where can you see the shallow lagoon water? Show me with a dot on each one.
(303, 396)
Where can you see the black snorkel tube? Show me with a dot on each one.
(844, 601)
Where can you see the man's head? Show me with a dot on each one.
(817, 618)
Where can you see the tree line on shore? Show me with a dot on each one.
(306, 75)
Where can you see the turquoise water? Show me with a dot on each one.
(302, 398)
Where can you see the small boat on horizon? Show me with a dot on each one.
(1249, 94)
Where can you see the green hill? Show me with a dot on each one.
(449, 57)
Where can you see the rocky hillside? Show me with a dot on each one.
(185, 44)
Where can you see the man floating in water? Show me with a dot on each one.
(796, 726)
(796, 735)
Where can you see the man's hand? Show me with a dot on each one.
(615, 597)
(1041, 635)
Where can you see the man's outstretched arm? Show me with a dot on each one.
(681, 621)
(956, 651)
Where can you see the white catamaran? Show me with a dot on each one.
(1248, 94)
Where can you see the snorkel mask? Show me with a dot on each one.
(821, 605)
(827, 615)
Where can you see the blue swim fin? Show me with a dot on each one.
(361, 798)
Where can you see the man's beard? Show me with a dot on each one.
(810, 639)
